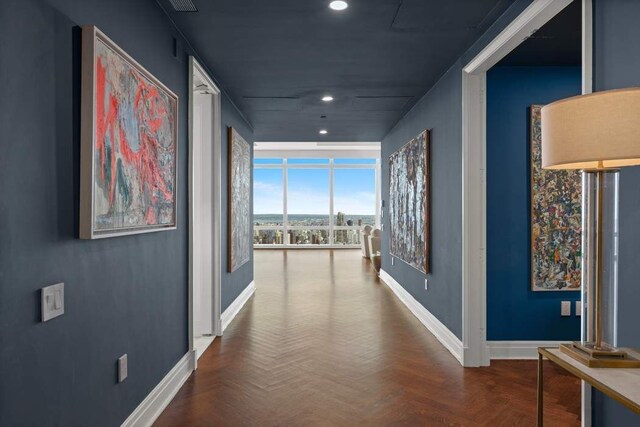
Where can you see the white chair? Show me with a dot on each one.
(364, 240)
(374, 243)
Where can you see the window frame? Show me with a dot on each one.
(331, 228)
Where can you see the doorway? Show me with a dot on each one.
(474, 169)
(537, 14)
(204, 209)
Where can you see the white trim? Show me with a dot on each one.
(311, 145)
(201, 344)
(316, 154)
(312, 150)
(331, 204)
(525, 350)
(330, 166)
(216, 265)
(285, 191)
(538, 13)
(162, 394)
(315, 166)
(378, 176)
(232, 311)
(437, 328)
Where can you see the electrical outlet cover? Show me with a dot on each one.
(565, 308)
(122, 368)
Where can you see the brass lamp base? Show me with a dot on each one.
(604, 357)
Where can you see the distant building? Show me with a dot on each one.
(341, 235)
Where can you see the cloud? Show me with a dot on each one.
(266, 187)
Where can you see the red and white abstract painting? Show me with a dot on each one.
(133, 145)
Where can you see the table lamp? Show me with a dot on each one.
(598, 133)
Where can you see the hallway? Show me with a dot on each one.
(324, 342)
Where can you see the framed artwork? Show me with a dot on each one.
(129, 144)
(240, 231)
(409, 203)
(556, 221)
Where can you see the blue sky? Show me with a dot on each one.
(308, 193)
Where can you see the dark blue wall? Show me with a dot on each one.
(439, 110)
(232, 283)
(124, 294)
(617, 65)
(514, 312)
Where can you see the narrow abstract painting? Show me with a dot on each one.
(240, 230)
(129, 144)
(556, 221)
(410, 180)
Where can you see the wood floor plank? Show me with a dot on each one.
(323, 342)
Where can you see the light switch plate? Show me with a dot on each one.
(393, 261)
(578, 308)
(426, 284)
(122, 368)
(52, 301)
(565, 309)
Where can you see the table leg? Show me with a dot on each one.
(540, 388)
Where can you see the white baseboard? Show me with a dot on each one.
(518, 349)
(162, 394)
(237, 305)
(437, 328)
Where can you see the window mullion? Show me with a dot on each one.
(285, 216)
(331, 201)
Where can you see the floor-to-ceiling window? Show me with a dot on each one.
(317, 201)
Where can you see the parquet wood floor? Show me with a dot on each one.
(323, 342)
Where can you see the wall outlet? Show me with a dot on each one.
(578, 308)
(393, 261)
(122, 368)
(565, 308)
(426, 284)
(52, 301)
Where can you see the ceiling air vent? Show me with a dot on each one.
(183, 5)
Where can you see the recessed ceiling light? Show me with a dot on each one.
(323, 132)
(338, 5)
(327, 98)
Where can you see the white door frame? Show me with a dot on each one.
(474, 304)
(216, 262)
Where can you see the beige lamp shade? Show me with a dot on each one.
(596, 131)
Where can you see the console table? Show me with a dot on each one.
(622, 385)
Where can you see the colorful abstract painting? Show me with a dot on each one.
(240, 229)
(556, 221)
(132, 144)
(410, 179)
